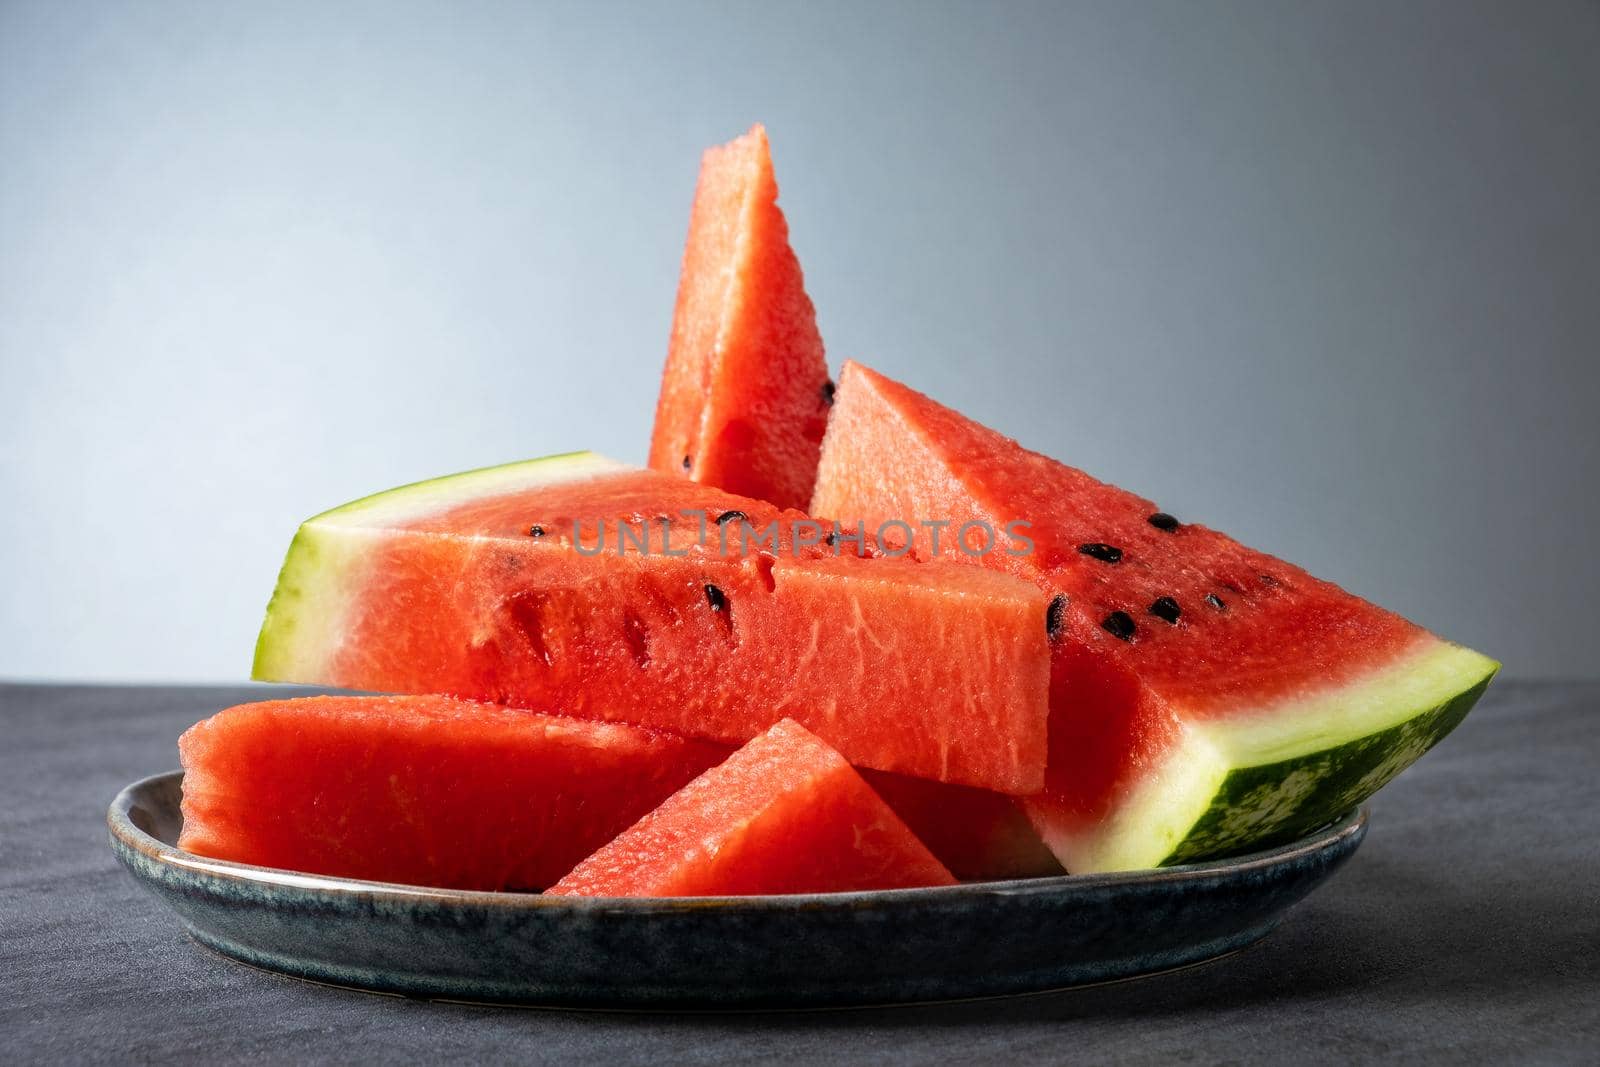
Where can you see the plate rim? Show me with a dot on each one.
(124, 832)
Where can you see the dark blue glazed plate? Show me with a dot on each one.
(827, 949)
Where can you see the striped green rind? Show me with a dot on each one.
(1261, 806)
(324, 565)
(1270, 774)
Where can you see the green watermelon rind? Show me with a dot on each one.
(1344, 776)
(323, 567)
(1269, 775)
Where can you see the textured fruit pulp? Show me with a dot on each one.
(1116, 705)
(742, 395)
(422, 790)
(784, 814)
(937, 671)
(979, 835)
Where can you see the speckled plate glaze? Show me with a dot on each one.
(818, 950)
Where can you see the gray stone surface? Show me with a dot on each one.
(1467, 929)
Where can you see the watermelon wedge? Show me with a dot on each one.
(784, 814)
(744, 398)
(565, 584)
(423, 790)
(1206, 698)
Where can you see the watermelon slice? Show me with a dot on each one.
(1206, 698)
(744, 399)
(784, 814)
(563, 584)
(420, 790)
(981, 836)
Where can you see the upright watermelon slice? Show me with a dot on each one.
(1205, 697)
(784, 814)
(744, 399)
(423, 790)
(552, 584)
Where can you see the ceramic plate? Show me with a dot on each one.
(972, 940)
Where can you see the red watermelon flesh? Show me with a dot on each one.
(422, 790)
(980, 835)
(931, 670)
(1205, 697)
(745, 393)
(784, 814)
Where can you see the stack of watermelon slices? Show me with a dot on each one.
(753, 667)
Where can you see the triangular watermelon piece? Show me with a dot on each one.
(1205, 697)
(422, 790)
(744, 398)
(784, 814)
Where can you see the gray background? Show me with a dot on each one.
(1324, 275)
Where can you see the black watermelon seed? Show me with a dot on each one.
(1162, 521)
(536, 530)
(1056, 616)
(828, 389)
(731, 516)
(830, 539)
(1166, 608)
(1103, 553)
(1119, 624)
(688, 461)
(1267, 579)
(716, 598)
(1215, 601)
